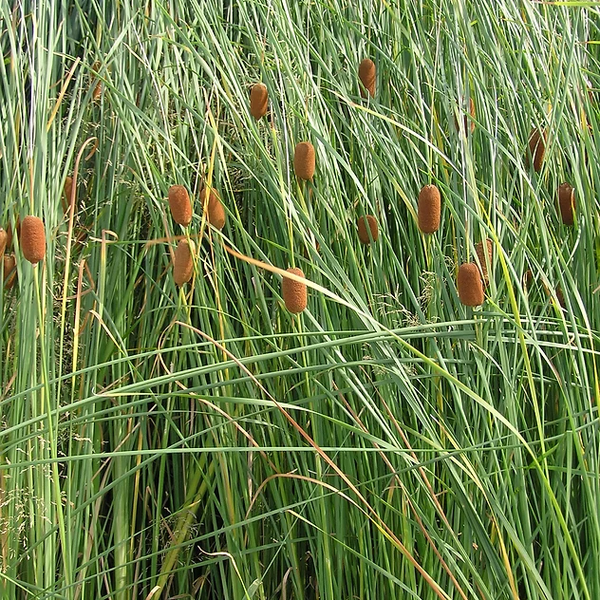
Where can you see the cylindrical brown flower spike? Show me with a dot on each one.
(181, 206)
(469, 125)
(216, 212)
(470, 286)
(294, 293)
(98, 85)
(429, 209)
(259, 100)
(66, 199)
(304, 161)
(32, 239)
(366, 225)
(566, 203)
(9, 232)
(367, 74)
(183, 263)
(3, 240)
(536, 149)
(479, 249)
(10, 271)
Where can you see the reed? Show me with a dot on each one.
(294, 293)
(215, 209)
(32, 239)
(536, 149)
(259, 100)
(368, 229)
(429, 209)
(367, 73)
(470, 286)
(181, 206)
(10, 271)
(183, 262)
(566, 203)
(485, 258)
(304, 161)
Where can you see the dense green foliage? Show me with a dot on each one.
(388, 442)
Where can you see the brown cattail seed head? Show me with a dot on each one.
(366, 225)
(215, 210)
(98, 85)
(183, 263)
(10, 271)
(429, 209)
(560, 296)
(483, 256)
(66, 199)
(566, 203)
(469, 125)
(304, 161)
(181, 207)
(470, 286)
(294, 293)
(9, 232)
(366, 74)
(32, 239)
(259, 100)
(536, 149)
(3, 240)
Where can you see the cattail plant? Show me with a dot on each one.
(304, 161)
(9, 232)
(294, 292)
(3, 240)
(10, 271)
(215, 210)
(32, 239)
(367, 73)
(259, 100)
(181, 206)
(470, 286)
(536, 149)
(183, 263)
(98, 84)
(66, 198)
(469, 124)
(367, 229)
(429, 209)
(566, 203)
(484, 251)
